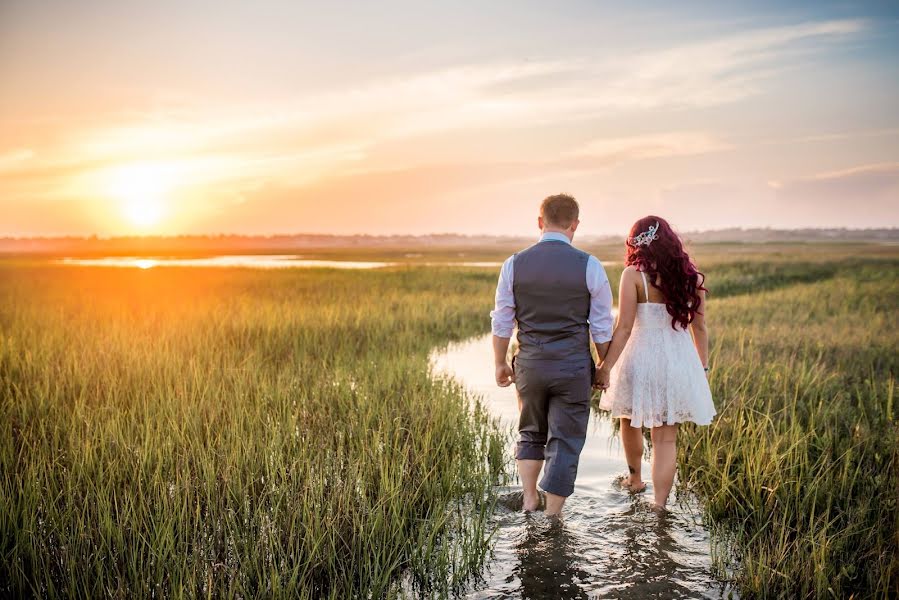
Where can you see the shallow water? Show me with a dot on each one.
(259, 261)
(608, 544)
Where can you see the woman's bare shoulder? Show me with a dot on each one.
(629, 272)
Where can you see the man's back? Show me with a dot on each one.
(552, 301)
(560, 297)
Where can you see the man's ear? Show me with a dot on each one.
(574, 225)
(540, 223)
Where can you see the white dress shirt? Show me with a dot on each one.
(502, 317)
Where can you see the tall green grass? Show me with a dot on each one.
(237, 433)
(184, 432)
(799, 473)
(801, 467)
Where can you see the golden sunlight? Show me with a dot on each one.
(142, 191)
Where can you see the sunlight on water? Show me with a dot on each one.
(492, 264)
(264, 261)
(609, 543)
(258, 261)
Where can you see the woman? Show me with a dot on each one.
(655, 372)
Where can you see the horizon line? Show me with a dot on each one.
(90, 237)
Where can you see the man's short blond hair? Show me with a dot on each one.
(559, 210)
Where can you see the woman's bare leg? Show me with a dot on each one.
(664, 462)
(632, 440)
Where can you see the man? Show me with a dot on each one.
(560, 298)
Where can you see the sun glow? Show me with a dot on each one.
(142, 191)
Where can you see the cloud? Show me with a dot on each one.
(428, 198)
(860, 196)
(393, 139)
(15, 158)
(711, 203)
(717, 71)
(468, 97)
(656, 145)
(882, 171)
(869, 192)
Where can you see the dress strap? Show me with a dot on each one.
(645, 287)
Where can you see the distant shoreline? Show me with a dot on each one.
(279, 244)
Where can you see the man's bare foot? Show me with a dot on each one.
(531, 502)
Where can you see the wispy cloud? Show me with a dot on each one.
(826, 197)
(14, 159)
(874, 169)
(336, 139)
(717, 71)
(468, 97)
(657, 145)
(887, 169)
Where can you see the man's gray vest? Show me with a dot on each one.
(552, 302)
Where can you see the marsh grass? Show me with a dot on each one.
(187, 432)
(799, 473)
(802, 464)
(237, 433)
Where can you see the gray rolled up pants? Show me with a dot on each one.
(555, 412)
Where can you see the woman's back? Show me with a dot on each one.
(651, 309)
(658, 378)
(653, 374)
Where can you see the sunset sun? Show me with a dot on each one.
(141, 190)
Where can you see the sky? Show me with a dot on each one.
(268, 117)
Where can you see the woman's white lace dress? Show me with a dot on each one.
(658, 379)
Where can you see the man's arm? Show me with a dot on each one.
(502, 321)
(504, 374)
(627, 313)
(600, 319)
(602, 348)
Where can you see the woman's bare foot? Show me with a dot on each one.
(531, 502)
(634, 486)
(658, 508)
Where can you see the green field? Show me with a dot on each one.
(801, 467)
(205, 432)
(236, 433)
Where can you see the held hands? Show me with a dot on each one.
(504, 375)
(603, 375)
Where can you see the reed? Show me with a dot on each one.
(182, 432)
(801, 466)
(189, 432)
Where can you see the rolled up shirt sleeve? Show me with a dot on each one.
(502, 317)
(600, 318)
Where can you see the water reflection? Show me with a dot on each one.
(468, 263)
(262, 261)
(609, 544)
(258, 261)
(549, 561)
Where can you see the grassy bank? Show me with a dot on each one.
(801, 466)
(185, 432)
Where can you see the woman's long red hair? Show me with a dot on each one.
(668, 268)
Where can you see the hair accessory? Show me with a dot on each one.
(646, 238)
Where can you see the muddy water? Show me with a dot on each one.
(608, 544)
